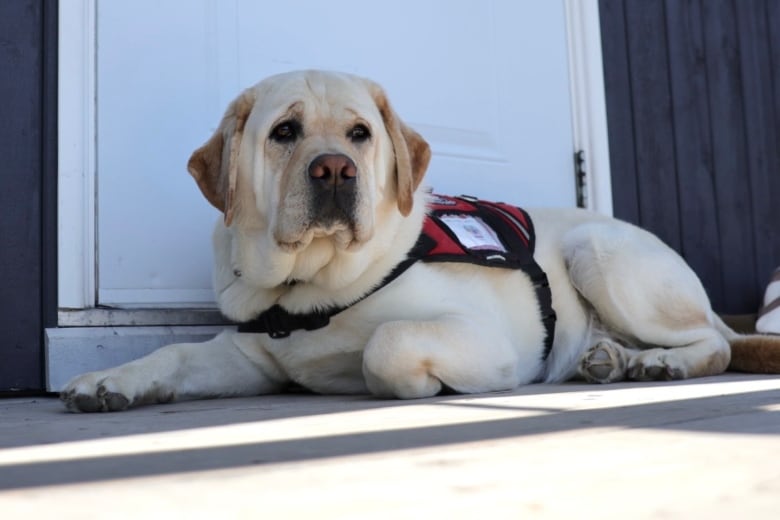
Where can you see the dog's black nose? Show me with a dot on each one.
(333, 169)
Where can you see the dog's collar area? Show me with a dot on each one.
(461, 229)
(279, 323)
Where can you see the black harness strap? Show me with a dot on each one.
(278, 323)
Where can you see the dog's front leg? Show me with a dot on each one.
(216, 368)
(413, 359)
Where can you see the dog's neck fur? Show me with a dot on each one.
(252, 274)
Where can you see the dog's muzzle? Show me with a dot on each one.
(333, 188)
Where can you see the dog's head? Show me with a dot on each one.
(311, 155)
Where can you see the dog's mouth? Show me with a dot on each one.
(344, 234)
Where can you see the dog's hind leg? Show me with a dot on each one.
(642, 292)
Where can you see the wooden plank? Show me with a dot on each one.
(20, 195)
(762, 139)
(737, 254)
(653, 125)
(620, 121)
(699, 234)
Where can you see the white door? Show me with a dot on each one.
(485, 82)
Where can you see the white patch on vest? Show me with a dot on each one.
(473, 233)
(438, 200)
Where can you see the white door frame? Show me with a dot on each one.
(77, 155)
(77, 137)
(588, 101)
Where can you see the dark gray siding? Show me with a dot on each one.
(28, 32)
(693, 107)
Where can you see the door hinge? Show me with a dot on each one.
(580, 178)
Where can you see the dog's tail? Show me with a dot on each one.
(755, 353)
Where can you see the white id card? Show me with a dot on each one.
(473, 232)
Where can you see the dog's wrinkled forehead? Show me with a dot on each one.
(316, 98)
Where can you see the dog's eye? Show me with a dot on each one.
(286, 131)
(359, 133)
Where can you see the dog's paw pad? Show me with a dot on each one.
(100, 402)
(115, 401)
(93, 393)
(604, 363)
(655, 366)
(86, 403)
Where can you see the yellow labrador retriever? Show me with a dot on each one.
(319, 183)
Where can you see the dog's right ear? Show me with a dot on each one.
(214, 166)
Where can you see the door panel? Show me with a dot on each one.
(486, 83)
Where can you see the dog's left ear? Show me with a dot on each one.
(412, 153)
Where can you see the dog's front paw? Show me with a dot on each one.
(96, 392)
(656, 365)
